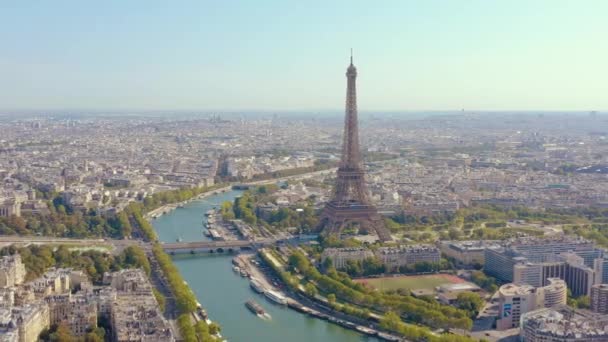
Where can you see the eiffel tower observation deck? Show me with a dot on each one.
(350, 205)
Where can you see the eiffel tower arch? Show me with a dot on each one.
(350, 203)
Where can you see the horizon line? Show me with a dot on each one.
(271, 110)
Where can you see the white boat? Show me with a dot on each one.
(276, 297)
(257, 286)
(236, 269)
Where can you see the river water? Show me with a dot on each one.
(223, 293)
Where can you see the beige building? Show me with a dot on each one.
(518, 299)
(134, 313)
(599, 298)
(563, 324)
(138, 318)
(466, 252)
(65, 296)
(394, 257)
(31, 320)
(78, 312)
(340, 256)
(129, 280)
(514, 300)
(9, 207)
(12, 270)
(105, 297)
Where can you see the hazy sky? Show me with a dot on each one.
(292, 55)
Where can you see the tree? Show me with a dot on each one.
(226, 211)
(62, 334)
(470, 302)
(454, 234)
(327, 263)
(298, 261)
(580, 302)
(186, 329)
(487, 283)
(134, 256)
(372, 266)
(583, 302)
(214, 328)
(331, 298)
(311, 289)
(353, 268)
(97, 335)
(390, 321)
(202, 332)
(162, 301)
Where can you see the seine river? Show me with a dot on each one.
(223, 293)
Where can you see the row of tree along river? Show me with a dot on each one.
(223, 293)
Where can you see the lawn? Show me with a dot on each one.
(428, 282)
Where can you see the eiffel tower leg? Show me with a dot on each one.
(337, 226)
(382, 232)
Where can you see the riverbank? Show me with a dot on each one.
(168, 208)
(313, 307)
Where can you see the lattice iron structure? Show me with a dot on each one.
(350, 203)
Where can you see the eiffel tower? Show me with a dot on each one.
(350, 204)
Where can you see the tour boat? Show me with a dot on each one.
(257, 286)
(276, 297)
(256, 309)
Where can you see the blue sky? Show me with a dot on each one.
(288, 55)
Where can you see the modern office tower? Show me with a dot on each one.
(579, 277)
(553, 294)
(350, 204)
(599, 298)
(514, 300)
(499, 263)
(517, 299)
(600, 266)
(532, 261)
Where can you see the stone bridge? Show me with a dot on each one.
(215, 246)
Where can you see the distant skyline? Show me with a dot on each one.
(271, 55)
